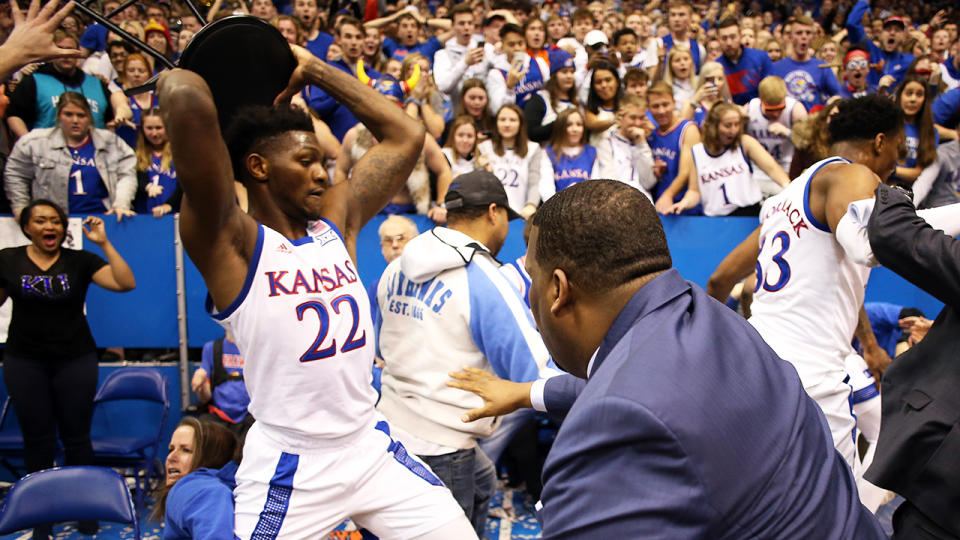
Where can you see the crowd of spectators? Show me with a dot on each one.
(706, 108)
(511, 68)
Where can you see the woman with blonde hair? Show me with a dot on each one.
(134, 28)
(157, 189)
(828, 50)
(461, 146)
(83, 169)
(721, 175)
(712, 89)
(680, 74)
(811, 139)
(774, 49)
(136, 71)
(425, 102)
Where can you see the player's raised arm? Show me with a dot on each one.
(382, 171)
(203, 163)
(214, 230)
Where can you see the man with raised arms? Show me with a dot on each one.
(283, 281)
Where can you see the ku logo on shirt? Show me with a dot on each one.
(801, 86)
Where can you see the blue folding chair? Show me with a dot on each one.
(68, 494)
(136, 451)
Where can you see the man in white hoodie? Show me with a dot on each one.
(444, 304)
(462, 58)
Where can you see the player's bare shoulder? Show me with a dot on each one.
(844, 176)
(849, 172)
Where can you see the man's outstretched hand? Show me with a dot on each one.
(500, 396)
(32, 37)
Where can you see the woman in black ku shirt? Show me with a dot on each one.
(50, 363)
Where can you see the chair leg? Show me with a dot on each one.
(147, 469)
(157, 474)
(138, 493)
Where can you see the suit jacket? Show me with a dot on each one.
(918, 453)
(690, 426)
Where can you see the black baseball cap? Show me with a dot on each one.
(477, 189)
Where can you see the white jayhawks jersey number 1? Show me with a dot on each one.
(726, 181)
(302, 324)
(808, 292)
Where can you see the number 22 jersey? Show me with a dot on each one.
(808, 293)
(302, 324)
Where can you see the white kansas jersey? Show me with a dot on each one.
(302, 324)
(808, 293)
(758, 127)
(520, 176)
(726, 181)
(458, 165)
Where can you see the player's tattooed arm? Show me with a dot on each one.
(382, 171)
(739, 264)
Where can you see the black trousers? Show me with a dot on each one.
(909, 523)
(748, 211)
(50, 396)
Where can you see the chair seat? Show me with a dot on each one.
(121, 446)
(68, 494)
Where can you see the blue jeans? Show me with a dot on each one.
(471, 477)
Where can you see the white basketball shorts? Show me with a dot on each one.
(285, 492)
(833, 397)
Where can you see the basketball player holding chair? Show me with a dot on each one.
(283, 281)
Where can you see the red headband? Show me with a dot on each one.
(855, 53)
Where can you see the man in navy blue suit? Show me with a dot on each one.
(688, 425)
